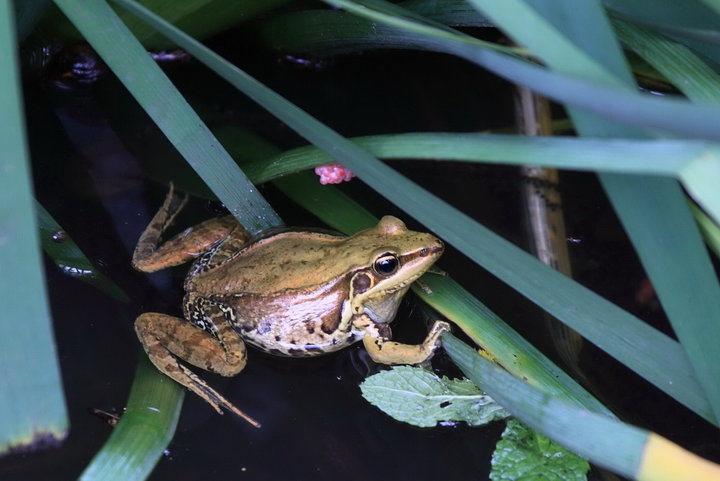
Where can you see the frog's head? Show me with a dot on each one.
(394, 257)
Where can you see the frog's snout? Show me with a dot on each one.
(436, 248)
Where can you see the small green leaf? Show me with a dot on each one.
(524, 455)
(419, 397)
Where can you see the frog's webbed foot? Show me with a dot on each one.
(151, 256)
(166, 338)
(386, 351)
(211, 396)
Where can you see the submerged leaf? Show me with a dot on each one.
(419, 397)
(69, 258)
(524, 455)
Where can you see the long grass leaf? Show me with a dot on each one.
(32, 407)
(27, 14)
(327, 202)
(625, 156)
(653, 211)
(689, 74)
(685, 70)
(333, 32)
(622, 448)
(200, 18)
(144, 431)
(709, 229)
(687, 20)
(616, 103)
(161, 100)
(640, 347)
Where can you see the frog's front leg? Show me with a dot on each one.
(151, 256)
(382, 349)
(167, 338)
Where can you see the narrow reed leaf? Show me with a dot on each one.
(640, 347)
(595, 437)
(63, 251)
(689, 74)
(144, 431)
(691, 23)
(341, 33)
(714, 4)
(327, 202)
(27, 13)
(709, 229)
(671, 249)
(526, 22)
(685, 70)
(652, 210)
(618, 104)
(627, 450)
(32, 407)
(503, 344)
(623, 156)
(687, 20)
(161, 100)
(200, 18)
(448, 12)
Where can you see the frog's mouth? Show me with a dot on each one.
(402, 285)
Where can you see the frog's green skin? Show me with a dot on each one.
(288, 292)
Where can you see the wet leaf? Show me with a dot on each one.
(523, 455)
(419, 397)
(63, 251)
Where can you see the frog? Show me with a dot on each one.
(292, 292)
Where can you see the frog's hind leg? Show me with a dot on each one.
(151, 256)
(166, 338)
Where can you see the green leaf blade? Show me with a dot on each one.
(652, 210)
(158, 96)
(144, 431)
(598, 438)
(32, 406)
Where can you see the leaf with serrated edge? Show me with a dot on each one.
(419, 397)
(522, 454)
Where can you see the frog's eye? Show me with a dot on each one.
(386, 264)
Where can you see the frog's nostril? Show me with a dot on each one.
(438, 247)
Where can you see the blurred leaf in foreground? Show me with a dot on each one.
(421, 398)
(522, 454)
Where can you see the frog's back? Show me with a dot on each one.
(282, 261)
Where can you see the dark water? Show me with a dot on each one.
(87, 147)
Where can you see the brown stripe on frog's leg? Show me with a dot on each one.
(385, 351)
(149, 256)
(166, 339)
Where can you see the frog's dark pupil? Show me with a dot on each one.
(386, 265)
